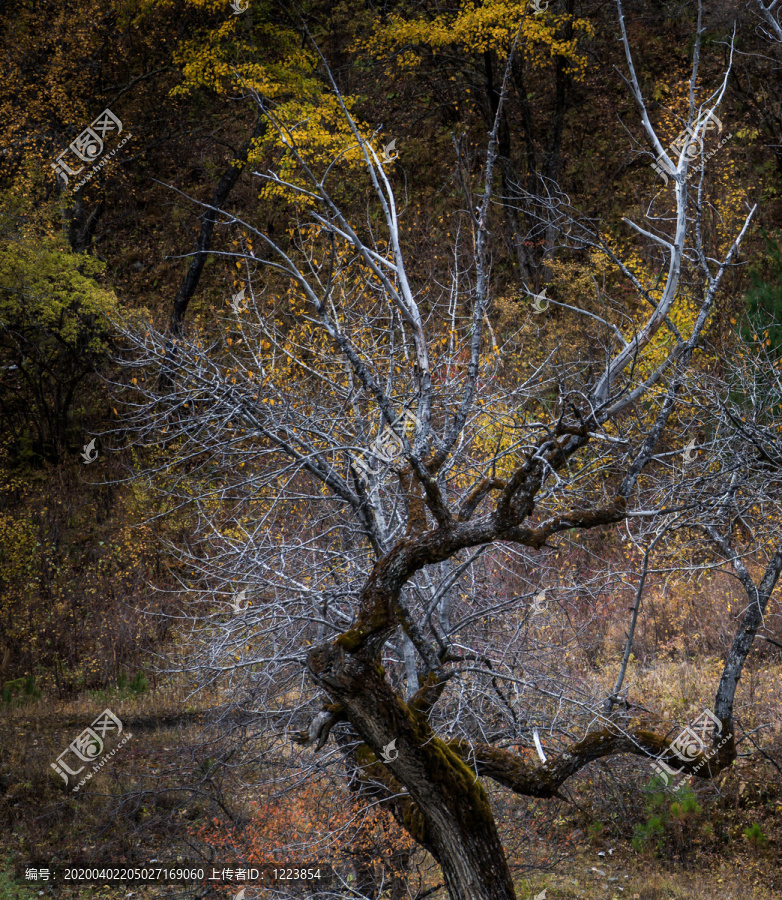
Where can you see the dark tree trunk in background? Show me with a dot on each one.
(204, 242)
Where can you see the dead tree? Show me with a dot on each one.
(357, 461)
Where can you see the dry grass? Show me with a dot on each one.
(646, 881)
(37, 816)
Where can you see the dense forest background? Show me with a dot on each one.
(96, 553)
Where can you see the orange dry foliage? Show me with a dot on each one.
(313, 828)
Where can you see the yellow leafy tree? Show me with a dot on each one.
(56, 328)
(480, 27)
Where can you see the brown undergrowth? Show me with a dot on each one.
(153, 798)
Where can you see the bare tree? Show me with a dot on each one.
(366, 471)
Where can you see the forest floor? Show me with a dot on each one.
(704, 853)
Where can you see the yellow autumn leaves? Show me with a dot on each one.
(481, 27)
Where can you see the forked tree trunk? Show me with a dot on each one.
(450, 814)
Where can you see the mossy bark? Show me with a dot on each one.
(446, 808)
(449, 810)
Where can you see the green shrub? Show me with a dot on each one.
(764, 297)
(31, 689)
(754, 834)
(672, 822)
(10, 889)
(21, 690)
(139, 684)
(650, 833)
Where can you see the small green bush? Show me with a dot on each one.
(22, 690)
(139, 684)
(764, 297)
(11, 889)
(31, 689)
(671, 822)
(650, 833)
(754, 834)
